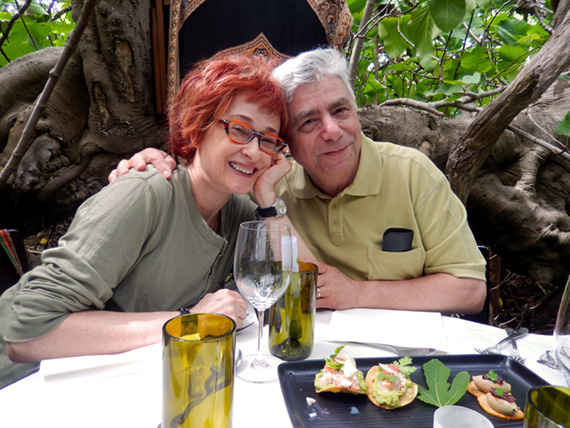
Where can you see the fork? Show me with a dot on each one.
(515, 355)
(511, 335)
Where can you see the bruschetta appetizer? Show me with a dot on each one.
(340, 375)
(389, 385)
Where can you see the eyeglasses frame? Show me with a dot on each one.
(254, 134)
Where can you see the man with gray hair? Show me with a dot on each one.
(381, 219)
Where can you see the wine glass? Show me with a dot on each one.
(562, 334)
(262, 271)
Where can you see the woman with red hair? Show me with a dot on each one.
(145, 246)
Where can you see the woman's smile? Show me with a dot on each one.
(243, 168)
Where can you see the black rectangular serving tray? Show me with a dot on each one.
(344, 410)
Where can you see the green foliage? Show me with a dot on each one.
(491, 375)
(563, 127)
(432, 50)
(447, 14)
(428, 50)
(439, 393)
(42, 24)
(405, 365)
(331, 362)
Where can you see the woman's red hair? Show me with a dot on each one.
(207, 92)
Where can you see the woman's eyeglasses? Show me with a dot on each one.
(240, 133)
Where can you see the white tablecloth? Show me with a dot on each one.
(124, 390)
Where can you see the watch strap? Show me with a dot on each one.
(267, 212)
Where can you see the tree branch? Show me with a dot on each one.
(355, 55)
(29, 130)
(555, 150)
(474, 146)
(59, 14)
(16, 16)
(432, 107)
(470, 97)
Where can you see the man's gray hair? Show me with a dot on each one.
(310, 67)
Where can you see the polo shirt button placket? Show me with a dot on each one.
(335, 224)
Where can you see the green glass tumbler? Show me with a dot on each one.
(198, 371)
(547, 407)
(292, 317)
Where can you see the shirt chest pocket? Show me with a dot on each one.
(385, 265)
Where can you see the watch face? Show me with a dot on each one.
(280, 207)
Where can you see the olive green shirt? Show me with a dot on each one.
(394, 187)
(138, 245)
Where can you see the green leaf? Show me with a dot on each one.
(332, 364)
(476, 60)
(529, 38)
(510, 31)
(563, 128)
(405, 366)
(495, 20)
(447, 14)
(422, 31)
(356, 6)
(37, 9)
(446, 89)
(373, 85)
(483, 4)
(394, 44)
(467, 79)
(61, 27)
(396, 86)
(439, 393)
(512, 53)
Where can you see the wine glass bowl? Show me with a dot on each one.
(259, 288)
(262, 271)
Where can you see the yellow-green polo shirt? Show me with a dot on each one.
(394, 187)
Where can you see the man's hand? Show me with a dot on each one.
(335, 289)
(162, 161)
(226, 302)
(439, 292)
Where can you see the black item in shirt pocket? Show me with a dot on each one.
(396, 240)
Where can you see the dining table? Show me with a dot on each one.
(125, 390)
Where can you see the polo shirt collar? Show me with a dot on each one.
(363, 185)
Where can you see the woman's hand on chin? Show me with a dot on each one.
(264, 187)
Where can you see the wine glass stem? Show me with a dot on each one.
(259, 360)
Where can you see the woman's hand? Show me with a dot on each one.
(264, 187)
(226, 302)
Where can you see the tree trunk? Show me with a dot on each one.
(474, 146)
(102, 109)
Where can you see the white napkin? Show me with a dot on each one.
(101, 366)
(397, 328)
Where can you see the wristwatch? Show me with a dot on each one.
(278, 209)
